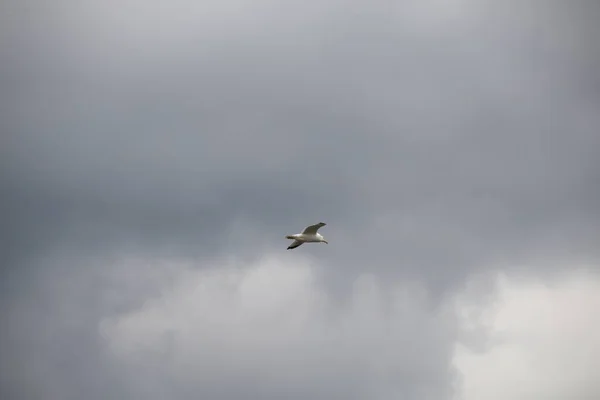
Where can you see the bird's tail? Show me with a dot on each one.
(290, 237)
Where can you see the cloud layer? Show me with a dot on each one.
(154, 156)
(272, 328)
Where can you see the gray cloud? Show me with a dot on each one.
(436, 141)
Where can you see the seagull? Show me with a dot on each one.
(308, 235)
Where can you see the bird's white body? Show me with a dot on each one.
(307, 238)
(309, 235)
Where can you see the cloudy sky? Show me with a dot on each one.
(154, 154)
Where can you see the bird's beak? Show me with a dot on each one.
(325, 241)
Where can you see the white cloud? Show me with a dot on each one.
(272, 329)
(270, 326)
(543, 341)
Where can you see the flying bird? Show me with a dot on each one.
(308, 235)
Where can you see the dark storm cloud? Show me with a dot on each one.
(434, 141)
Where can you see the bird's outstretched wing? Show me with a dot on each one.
(311, 230)
(294, 244)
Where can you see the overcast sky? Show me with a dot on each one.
(154, 154)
